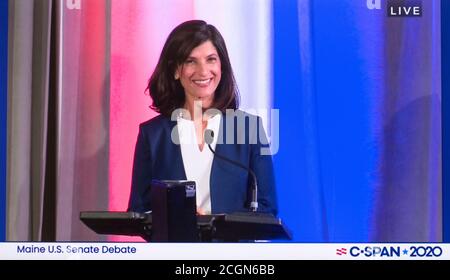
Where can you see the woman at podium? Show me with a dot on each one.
(194, 90)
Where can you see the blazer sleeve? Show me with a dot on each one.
(261, 163)
(142, 176)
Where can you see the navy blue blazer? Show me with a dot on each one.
(158, 157)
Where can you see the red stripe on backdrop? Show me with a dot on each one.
(139, 29)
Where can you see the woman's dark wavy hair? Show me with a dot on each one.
(168, 93)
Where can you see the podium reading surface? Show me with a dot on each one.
(217, 227)
(118, 223)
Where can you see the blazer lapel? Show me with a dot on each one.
(216, 178)
(178, 166)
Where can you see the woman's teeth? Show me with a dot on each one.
(202, 82)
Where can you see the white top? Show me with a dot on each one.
(197, 164)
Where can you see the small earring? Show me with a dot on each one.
(176, 77)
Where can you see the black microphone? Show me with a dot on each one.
(209, 137)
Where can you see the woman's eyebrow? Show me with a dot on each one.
(209, 55)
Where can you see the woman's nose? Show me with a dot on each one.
(202, 68)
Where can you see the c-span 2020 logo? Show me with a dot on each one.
(392, 251)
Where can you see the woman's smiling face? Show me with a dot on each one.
(200, 74)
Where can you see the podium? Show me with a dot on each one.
(211, 228)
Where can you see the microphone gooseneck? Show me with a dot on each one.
(209, 137)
